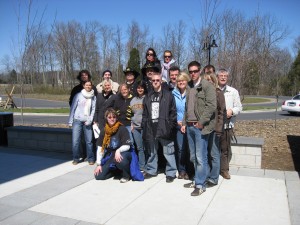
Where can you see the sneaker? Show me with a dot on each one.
(124, 180)
(74, 162)
(148, 175)
(189, 185)
(197, 192)
(209, 184)
(170, 179)
(186, 177)
(225, 175)
(91, 163)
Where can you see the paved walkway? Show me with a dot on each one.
(45, 188)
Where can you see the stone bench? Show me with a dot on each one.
(245, 153)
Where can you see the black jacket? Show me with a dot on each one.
(167, 120)
(122, 106)
(102, 104)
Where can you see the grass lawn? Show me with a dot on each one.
(35, 110)
(248, 100)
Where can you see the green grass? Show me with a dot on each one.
(246, 108)
(34, 110)
(255, 100)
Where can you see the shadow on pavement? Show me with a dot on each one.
(294, 142)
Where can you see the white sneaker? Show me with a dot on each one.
(124, 180)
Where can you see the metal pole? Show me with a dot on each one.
(209, 54)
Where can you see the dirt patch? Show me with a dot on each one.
(281, 149)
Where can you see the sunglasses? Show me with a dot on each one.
(111, 117)
(168, 56)
(149, 54)
(157, 80)
(193, 71)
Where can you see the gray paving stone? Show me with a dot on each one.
(291, 175)
(7, 211)
(233, 170)
(276, 174)
(250, 172)
(18, 201)
(293, 190)
(54, 220)
(24, 218)
(87, 223)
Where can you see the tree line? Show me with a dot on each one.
(248, 47)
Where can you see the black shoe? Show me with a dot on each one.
(148, 175)
(197, 192)
(170, 179)
(189, 185)
(210, 184)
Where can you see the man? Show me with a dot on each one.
(159, 123)
(166, 65)
(233, 108)
(199, 122)
(106, 75)
(209, 69)
(173, 74)
(130, 79)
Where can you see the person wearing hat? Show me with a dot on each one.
(148, 70)
(130, 79)
(106, 75)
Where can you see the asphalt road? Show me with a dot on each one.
(63, 119)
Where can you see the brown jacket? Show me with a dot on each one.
(220, 112)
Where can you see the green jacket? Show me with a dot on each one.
(205, 105)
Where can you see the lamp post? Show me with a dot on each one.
(209, 43)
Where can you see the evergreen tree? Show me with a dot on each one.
(291, 84)
(134, 60)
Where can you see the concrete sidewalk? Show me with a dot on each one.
(45, 188)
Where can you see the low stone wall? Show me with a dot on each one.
(245, 153)
(40, 138)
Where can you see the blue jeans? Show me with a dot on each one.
(181, 141)
(130, 134)
(78, 128)
(198, 155)
(137, 136)
(214, 157)
(169, 154)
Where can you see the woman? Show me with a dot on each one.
(151, 57)
(122, 107)
(137, 107)
(104, 101)
(214, 137)
(179, 94)
(81, 117)
(113, 155)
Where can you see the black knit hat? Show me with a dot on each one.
(105, 71)
(150, 65)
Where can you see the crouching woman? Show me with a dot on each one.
(113, 145)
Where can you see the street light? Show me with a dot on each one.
(209, 43)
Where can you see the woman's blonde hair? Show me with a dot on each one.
(183, 76)
(213, 77)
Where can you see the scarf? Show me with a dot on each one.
(165, 69)
(88, 103)
(109, 131)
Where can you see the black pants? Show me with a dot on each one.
(225, 145)
(109, 170)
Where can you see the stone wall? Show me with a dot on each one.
(245, 153)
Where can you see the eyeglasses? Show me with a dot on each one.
(168, 56)
(149, 54)
(111, 117)
(157, 80)
(193, 71)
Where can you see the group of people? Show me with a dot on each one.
(167, 115)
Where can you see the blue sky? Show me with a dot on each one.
(154, 13)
